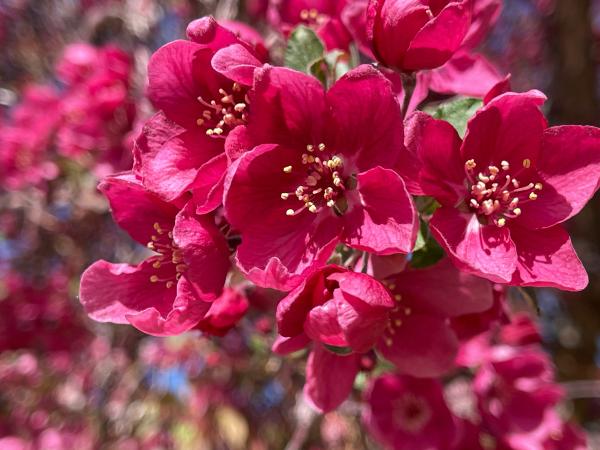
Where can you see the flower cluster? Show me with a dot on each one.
(393, 233)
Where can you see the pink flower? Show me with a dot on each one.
(201, 86)
(505, 189)
(409, 413)
(336, 307)
(514, 391)
(321, 175)
(411, 35)
(224, 313)
(418, 338)
(324, 16)
(168, 293)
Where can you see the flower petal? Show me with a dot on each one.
(237, 63)
(329, 378)
(204, 250)
(483, 250)
(423, 346)
(509, 128)
(383, 223)
(445, 291)
(435, 43)
(365, 118)
(435, 146)
(121, 293)
(134, 208)
(569, 170)
(547, 258)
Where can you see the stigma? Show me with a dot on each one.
(323, 184)
(495, 193)
(227, 111)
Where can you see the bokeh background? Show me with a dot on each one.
(69, 383)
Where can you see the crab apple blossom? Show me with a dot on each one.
(319, 174)
(417, 34)
(336, 307)
(418, 337)
(514, 391)
(200, 86)
(171, 291)
(405, 413)
(323, 16)
(505, 189)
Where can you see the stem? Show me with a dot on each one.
(409, 82)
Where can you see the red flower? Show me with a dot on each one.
(168, 293)
(505, 189)
(515, 390)
(201, 87)
(418, 338)
(336, 307)
(324, 16)
(321, 176)
(411, 35)
(405, 413)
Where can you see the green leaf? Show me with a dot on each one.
(338, 350)
(304, 49)
(457, 111)
(428, 253)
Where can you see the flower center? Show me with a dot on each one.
(224, 114)
(411, 413)
(312, 17)
(397, 316)
(168, 255)
(496, 195)
(323, 184)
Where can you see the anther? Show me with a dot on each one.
(284, 196)
(170, 284)
(533, 196)
(153, 279)
(287, 169)
(470, 164)
(501, 222)
(504, 165)
(527, 163)
(321, 147)
(289, 212)
(539, 186)
(517, 211)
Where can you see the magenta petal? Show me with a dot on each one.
(444, 290)
(187, 311)
(175, 78)
(435, 144)
(329, 378)
(435, 43)
(236, 63)
(547, 258)
(322, 325)
(423, 346)
(286, 345)
(134, 208)
(207, 188)
(383, 223)
(361, 323)
(120, 293)
(570, 173)
(204, 250)
(483, 250)
(465, 74)
(285, 104)
(365, 116)
(509, 128)
(172, 156)
(208, 32)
